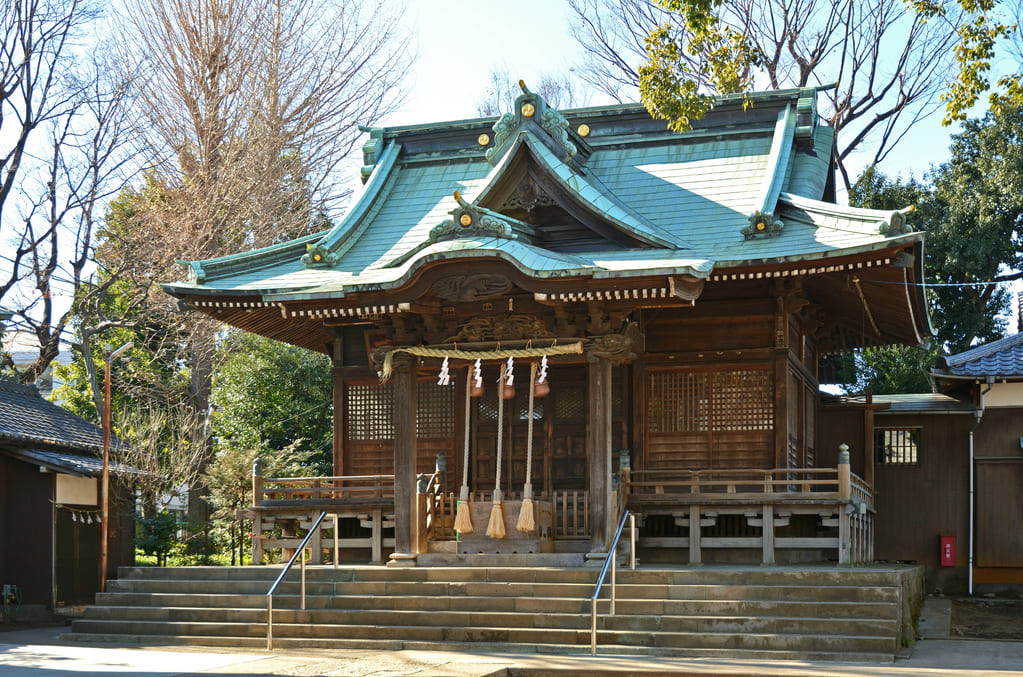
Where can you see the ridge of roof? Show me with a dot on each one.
(969, 362)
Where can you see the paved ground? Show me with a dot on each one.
(41, 653)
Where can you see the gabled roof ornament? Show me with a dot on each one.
(530, 107)
(318, 256)
(469, 219)
(896, 223)
(762, 225)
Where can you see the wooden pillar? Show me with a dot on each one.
(781, 384)
(695, 555)
(868, 443)
(767, 532)
(338, 393)
(405, 407)
(844, 493)
(599, 452)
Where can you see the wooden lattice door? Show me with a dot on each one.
(559, 436)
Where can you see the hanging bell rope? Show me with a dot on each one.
(463, 515)
(527, 522)
(497, 354)
(495, 529)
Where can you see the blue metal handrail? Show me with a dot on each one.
(298, 555)
(610, 562)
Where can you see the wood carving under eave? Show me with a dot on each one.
(468, 288)
(620, 348)
(510, 328)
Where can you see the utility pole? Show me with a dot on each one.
(105, 526)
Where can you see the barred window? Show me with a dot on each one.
(897, 447)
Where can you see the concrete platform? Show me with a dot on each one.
(33, 652)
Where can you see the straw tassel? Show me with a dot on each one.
(463, 516)
(496, 527)
(527, 522)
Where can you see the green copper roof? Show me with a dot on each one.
(554, 199)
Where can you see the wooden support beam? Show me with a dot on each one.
(405, 406)
(695, 557)
(599, 452)
(338, 400)
(768, 534)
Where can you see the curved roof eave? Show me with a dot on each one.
(563, 266)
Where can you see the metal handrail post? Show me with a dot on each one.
(632, 541)
(269, 623)
(608, 562)
(299, 553)
(614, 568)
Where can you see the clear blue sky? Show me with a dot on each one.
(460, 42)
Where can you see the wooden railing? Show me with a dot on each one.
(282, 506)
(327, 489)
(764, 499)
(731, 486)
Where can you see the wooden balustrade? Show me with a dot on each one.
(766, 499)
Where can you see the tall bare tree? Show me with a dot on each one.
(248, 108)
(61, 188)
(37, 40)
(888, 63)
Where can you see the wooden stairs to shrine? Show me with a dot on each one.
(736, 612)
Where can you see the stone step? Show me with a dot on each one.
(403, 617)
(580, 605)
(709, 575)
(734, 611)
(771, 641)
(479, 647)
(498, 588)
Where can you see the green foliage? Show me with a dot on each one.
(972, 211)
(979, 34)
(268, 394)
(685, 64)
(980, 239)
(157, 535)
(893, 369)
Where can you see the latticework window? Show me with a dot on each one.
(370, 412)
(897, 447)
(716, 401)
(742, 400)
(678, 401)
(435, 418)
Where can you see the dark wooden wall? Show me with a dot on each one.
(999, 490)
(26, 527)
(917, 505)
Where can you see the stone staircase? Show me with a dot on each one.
(861, 614)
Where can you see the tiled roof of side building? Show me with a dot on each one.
(30, 421)
(1000, 359)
